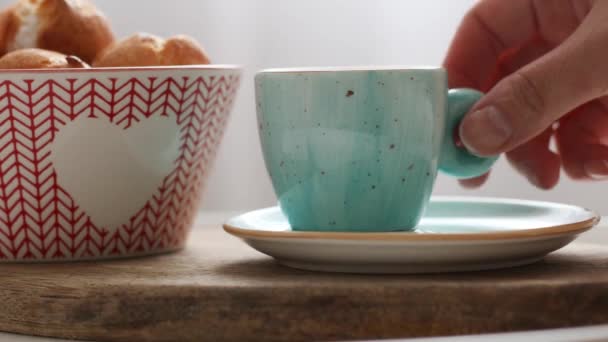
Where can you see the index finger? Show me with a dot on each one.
(488, 30)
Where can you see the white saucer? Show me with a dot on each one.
(456, 234)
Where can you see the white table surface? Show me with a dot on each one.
(583, 334)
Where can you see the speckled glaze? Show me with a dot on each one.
(359, 149)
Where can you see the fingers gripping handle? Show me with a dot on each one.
(457, 161)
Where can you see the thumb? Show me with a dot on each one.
(528, 101)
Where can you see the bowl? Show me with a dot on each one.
(106, 162)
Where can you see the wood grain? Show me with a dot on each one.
(218, 289)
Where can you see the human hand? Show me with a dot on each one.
(544, 67)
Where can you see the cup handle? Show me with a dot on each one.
(456, 161)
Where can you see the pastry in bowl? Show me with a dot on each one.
(72, 27)
(102, 163)
(40, 59)
(143, 49)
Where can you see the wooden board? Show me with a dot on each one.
(218, 289)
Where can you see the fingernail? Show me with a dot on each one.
(526, 169)
(485, 130)
(597, 169)
(534, 180)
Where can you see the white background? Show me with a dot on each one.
(273, 33)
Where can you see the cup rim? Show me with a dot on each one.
(197, 67)
(362, 68)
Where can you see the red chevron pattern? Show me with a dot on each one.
(39, 220)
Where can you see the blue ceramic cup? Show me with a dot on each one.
(358, 149)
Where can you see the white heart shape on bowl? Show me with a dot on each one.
(111, 172)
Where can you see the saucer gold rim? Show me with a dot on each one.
(529, 233)
(572, 228)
